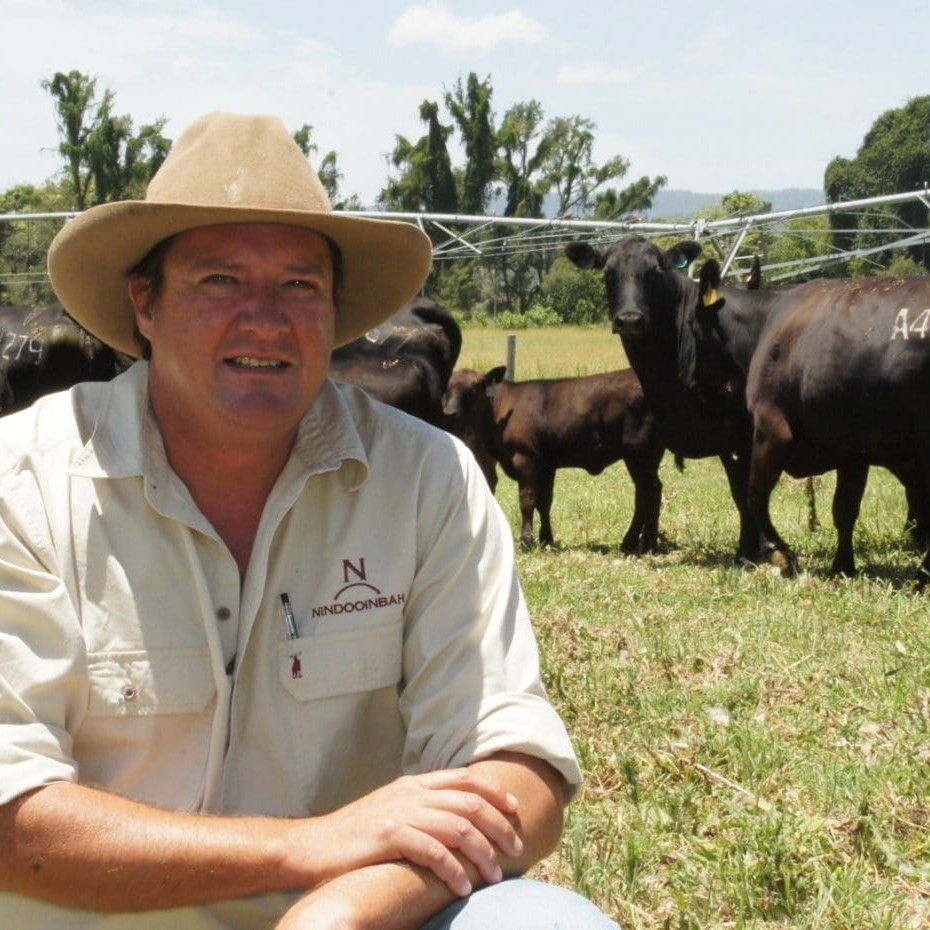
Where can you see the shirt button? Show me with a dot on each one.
(223, 613)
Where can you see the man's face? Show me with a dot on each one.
(241, 332)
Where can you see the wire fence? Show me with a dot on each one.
(463, 237)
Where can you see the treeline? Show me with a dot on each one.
(513, 165)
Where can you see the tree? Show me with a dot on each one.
(74, 94)
(426, 181)
(531, 158)
(803, 239)
(577, 296)
(523, 148)
(612, 204)
(24, 243)
(105, 160)
(755, 240)
(523, 145)
(327, 170)
(894, 157)
(470, 107)
(304, 139)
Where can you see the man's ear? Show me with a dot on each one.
(141, 298)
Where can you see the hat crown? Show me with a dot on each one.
(226, 159)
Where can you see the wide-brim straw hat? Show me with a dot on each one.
(231, 168)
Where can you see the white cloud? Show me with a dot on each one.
(434, 24)
(593, 72)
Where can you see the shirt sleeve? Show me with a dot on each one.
(472, 684)
(43, 681)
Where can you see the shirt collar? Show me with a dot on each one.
(125, 439)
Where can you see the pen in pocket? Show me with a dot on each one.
(289, 621)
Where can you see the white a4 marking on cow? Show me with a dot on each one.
(919, 327)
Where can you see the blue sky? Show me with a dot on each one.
(717, 96)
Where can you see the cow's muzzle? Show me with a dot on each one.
(629, 323)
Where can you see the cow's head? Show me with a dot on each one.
(467, 399)
(644, 282)
(469, 414)
(715, 373)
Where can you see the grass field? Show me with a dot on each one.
(756, 749)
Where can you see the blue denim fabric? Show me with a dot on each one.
(521, 904)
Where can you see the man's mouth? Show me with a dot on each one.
(245, 361)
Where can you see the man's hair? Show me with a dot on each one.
(150, 271)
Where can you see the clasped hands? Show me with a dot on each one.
(427, 819)
(449, 823)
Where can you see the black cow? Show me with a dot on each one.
(829, 374)
(42, 349)
(535, 427)
(648, 299)
(917, 522)
(406, 361)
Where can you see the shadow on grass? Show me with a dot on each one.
(896, 569)
(708, 557)
(899, 576)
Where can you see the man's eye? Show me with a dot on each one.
(303, 284)
(219, 279)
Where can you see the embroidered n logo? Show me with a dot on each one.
(351, 571)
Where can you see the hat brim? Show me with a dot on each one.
(384, 262)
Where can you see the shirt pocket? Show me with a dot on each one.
(340, 664)
(149, 683)
(147, 732)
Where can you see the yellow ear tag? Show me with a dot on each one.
(709, 298)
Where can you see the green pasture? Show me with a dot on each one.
(756, 749)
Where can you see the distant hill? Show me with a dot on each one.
(673, 204)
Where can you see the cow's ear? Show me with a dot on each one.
(708, 283)
(681, 255)
(493, 379)
(584, 256)
(496, 375)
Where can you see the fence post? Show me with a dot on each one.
(511, 356)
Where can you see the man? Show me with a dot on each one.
(262, 651)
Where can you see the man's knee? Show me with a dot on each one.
(522, 904)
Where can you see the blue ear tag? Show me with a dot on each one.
(682, 263)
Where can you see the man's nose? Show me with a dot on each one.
(264, 309)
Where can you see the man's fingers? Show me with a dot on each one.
(450, 822)
(430, 853)
(475, 812)
(460, 835)
(464, 779)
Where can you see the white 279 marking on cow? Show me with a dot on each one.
(14, 344)
(920, 327)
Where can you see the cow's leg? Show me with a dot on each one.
(736, 467)
(769, 451)
(813, 522)
(643, 532)
(922, 491)
(917, 522)
(527, 508)
(544, 491)
(535, 483)
(850, 486)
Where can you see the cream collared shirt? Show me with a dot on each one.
(414, 650)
